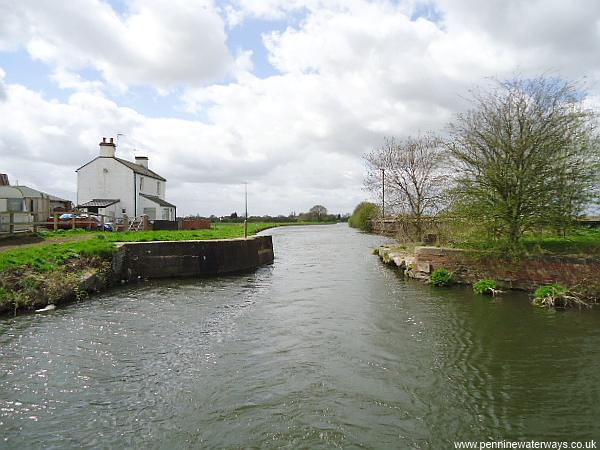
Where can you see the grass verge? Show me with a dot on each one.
(581, 241)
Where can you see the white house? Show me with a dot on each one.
(117, 187)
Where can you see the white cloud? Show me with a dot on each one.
(71, 80)
(162, 43)
(540, 35)
(2, 87)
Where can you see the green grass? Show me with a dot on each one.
(47, 257)
(50, 234)
(220, 231)
(581, 241)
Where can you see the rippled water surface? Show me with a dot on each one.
(325, 348)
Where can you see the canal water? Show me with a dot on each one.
(326, 348)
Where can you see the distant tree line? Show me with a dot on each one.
(317, 213)
(524, 157)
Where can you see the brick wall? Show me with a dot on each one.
(196, 224)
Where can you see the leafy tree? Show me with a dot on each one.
(363, 215)
(415, 179)
(318, 212)
(527, 155)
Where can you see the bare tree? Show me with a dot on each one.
(527, 155)
(415, 176)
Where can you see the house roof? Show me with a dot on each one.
(159, 201)
(133, 166)
(140, 169)
(30, 192)
(27, 192)
(98, 203)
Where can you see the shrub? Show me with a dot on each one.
(441, 277)
(550, 290)
(485, 286)
(557, 296)
(362, 216)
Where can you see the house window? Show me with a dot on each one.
(158, 188)
(15, 205)
(141, 183)
(165, 214)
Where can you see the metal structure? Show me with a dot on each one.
(246, 207)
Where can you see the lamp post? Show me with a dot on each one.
(246, 207)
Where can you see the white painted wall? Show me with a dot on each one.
(149, 186)
(144, 203)
(109, 179)
(168, 213)
(162, 212)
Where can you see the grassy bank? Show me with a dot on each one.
(539, 262)
(49, 271)
(580, 241)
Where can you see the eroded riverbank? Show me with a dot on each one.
(525, 273)
(25, 289)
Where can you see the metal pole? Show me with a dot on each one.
(382, 194)
(246, 214)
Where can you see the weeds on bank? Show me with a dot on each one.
(485, 287)
(27, 288)
(441, 277)
(557, 296)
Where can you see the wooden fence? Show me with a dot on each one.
(13, 223)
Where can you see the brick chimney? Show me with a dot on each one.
(142, 161)
(107, 148)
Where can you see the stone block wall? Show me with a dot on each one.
(166, 259)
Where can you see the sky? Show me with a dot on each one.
(286, 95)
